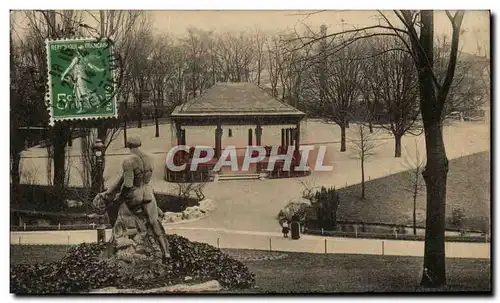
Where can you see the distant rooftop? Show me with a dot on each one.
(235, 99)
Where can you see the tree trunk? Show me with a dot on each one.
(194, 84)
(258, 72)
(370, 126)
(16, 146)
(415, 209)
(125, 125)
(125, 133)
(436, 169)
(14, 171)
(157, 124)
(60, 134)
(342, 138)
(362, 178)
(59, 163)
(435, 174)
(397, 147)
(139, 123)
(15, 175)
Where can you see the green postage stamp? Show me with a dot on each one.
(81, 80)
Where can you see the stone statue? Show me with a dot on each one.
(131, 205)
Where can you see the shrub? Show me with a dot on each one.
(326, 202)
(82, 269)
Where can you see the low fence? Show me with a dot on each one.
(340, 234)
(380, 230)
(267, 242)
(26, 227)
(463, 237)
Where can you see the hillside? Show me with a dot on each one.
(388, 201)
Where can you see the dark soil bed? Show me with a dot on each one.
(75, 269)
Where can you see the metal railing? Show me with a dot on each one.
(88, 226)
(486, 238)
(464, 237)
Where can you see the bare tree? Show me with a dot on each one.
(484, 55)
(117, 26)
(418, 28)
(369, 106)
(163, 66)
(215, 65)
(340, 86)
(468, 91)
(236, 55)
(275, 53)
(259, 40)
(198, 58)
(26, 104)
(291, 74)
(433, 96)
(393, 84)
(68, 24)
(363, 147)
(32, 65)
(48, 164)
(139, 69)
(414, 179)
(178, 85)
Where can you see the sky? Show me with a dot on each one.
(476, 24)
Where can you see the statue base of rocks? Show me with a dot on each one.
(132, 240)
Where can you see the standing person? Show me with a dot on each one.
(285, 229)
(295, 227)
(136, 191)
(78, 70)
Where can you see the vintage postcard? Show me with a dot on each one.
(250, 152)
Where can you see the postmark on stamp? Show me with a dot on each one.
(81, 80)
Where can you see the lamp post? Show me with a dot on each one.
(98, 149)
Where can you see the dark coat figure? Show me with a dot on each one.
(295, 230)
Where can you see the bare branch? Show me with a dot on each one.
(355, 31)
(445, 88)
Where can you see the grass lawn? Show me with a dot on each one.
(20, 254)
(388, 201)
(362, 273)
(325, 273)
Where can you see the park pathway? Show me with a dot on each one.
(239, 239)
(254, 204)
